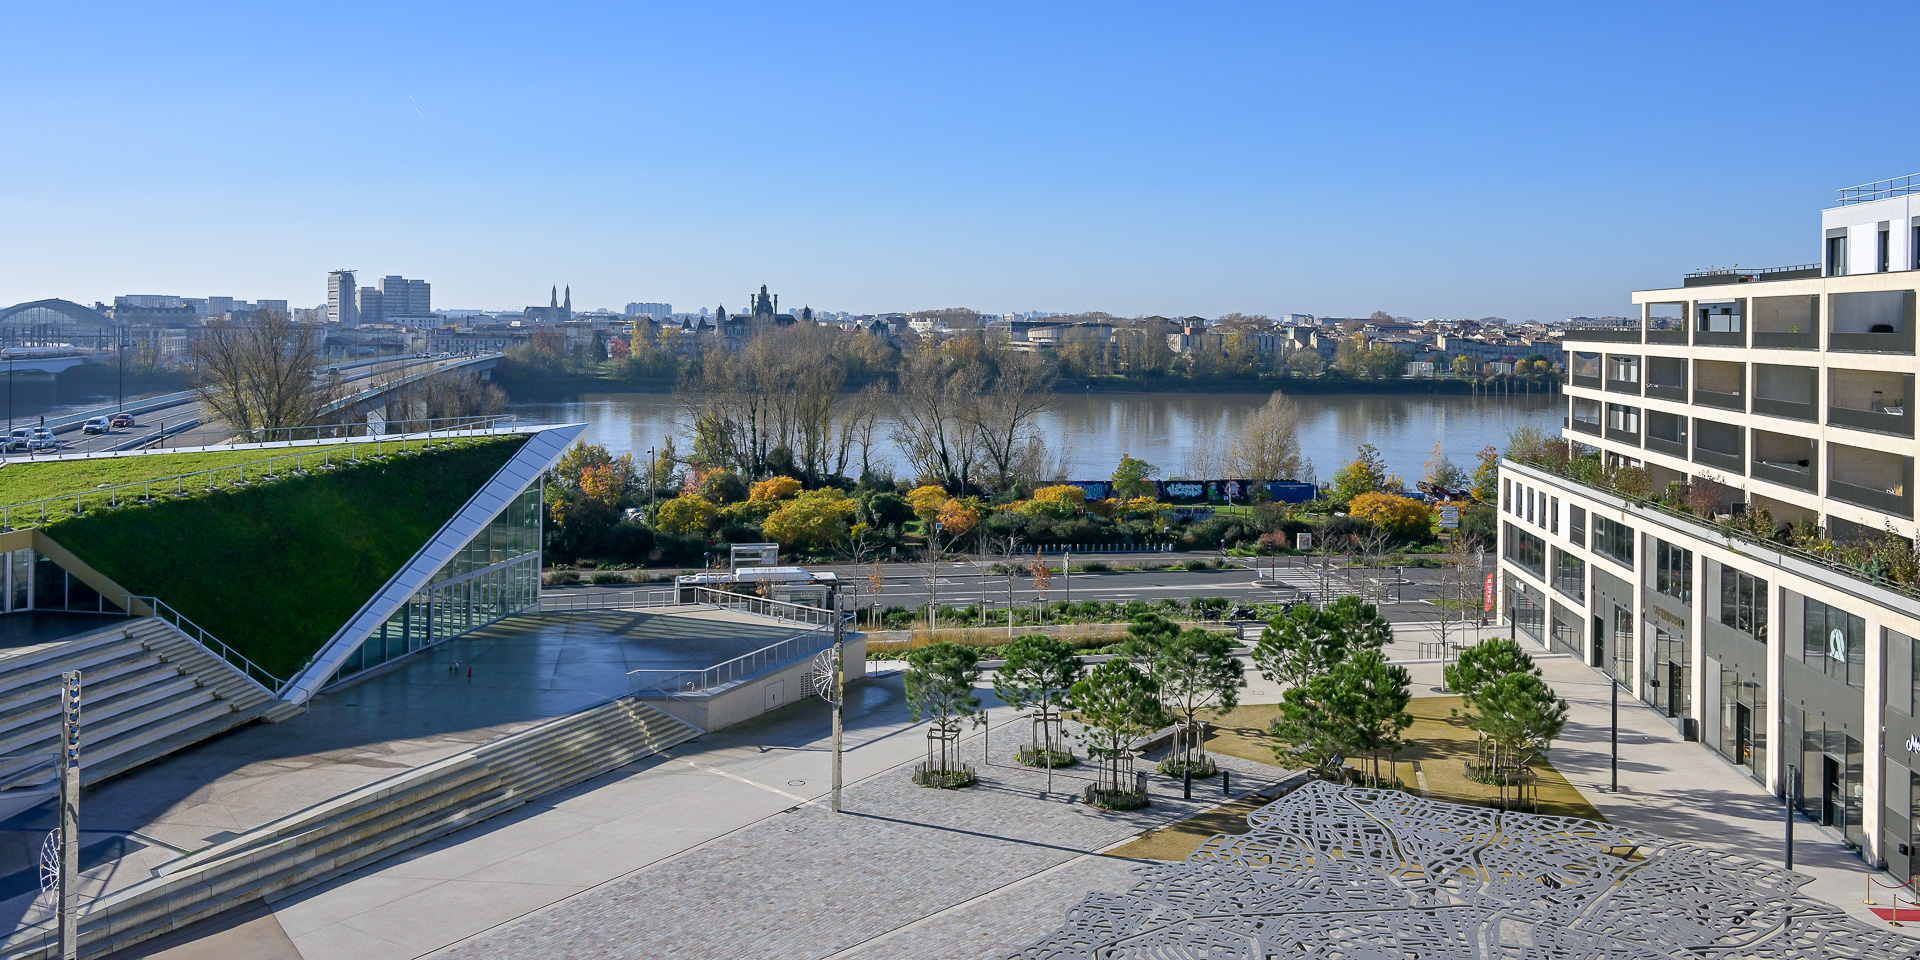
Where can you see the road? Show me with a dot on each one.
(185, 410)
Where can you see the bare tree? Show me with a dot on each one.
(1004, 416)
(260, 374)
(859, 417)
(1269, 445)
(932, 430)
(1206, 458)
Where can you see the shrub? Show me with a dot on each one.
(926, 501)
(608, 576)
(1403, 518)
(774, 488)
(1097, 566)
(1196, 564)
(687, 514)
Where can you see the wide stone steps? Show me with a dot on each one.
(147, 690)
(364, 825)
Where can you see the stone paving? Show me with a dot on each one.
(812, 884)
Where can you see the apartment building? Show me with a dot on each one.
(1748, 404)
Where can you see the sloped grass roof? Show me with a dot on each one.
(275, 568)
(22, 481)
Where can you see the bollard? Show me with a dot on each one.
(1186, 782)
(1226, 776)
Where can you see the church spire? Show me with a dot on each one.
(553, 299)
(569, 303)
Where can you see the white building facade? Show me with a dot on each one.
(1753, 407)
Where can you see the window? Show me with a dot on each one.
(1553, 515)
(1529, 514)
(1623, 418)
(1723, 316)
(1586, 366)
(1834, 641)
(1743, 603)
(1837, 256)
(1527, 550)
(1623, 369)
(1569, 574)
(1885, 259)
(1673, 571)
(1506, 494)
(1614, 541)
(1577, 525)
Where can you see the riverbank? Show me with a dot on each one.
(555, 388)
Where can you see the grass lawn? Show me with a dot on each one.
(1438, 742)
(273, 569)
(23, 481)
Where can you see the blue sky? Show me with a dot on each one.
(1526, 160)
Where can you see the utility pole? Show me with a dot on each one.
(1066, 573)
(933, 586)
(69, 770)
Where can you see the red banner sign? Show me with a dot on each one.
(1489, 592)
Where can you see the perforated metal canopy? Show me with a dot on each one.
(1359, 874)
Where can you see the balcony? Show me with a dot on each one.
(1874, 479)
(1720, 460)
(1786, 409)
(1876, 321)
(1786, 391)
(1804, 340)
(1884, 501)
(1583, 426)
(1898, 424)
(1725, 401)
(1787, 474)
(1623, 436)
(1719, 338)
(1600, 335)
(1624, 386)
(1676, 336)
(1667, 391)
(1677, 448)
(1714, 278)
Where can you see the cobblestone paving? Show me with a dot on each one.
(1004, 921)
(810, 884)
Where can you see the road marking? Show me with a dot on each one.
(734, 776)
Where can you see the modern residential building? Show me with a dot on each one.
(658, 311)
(1748, 409)
(342, 307)
(401, 297)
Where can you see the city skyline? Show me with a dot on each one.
(1411, 160)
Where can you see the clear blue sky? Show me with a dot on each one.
(1529, 161)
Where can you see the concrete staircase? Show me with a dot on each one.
(147, 690)
(367, 824)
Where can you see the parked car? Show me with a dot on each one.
(96, 425)
(40, 438)
(17, 440)
(123, 420)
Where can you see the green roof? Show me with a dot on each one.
(274, 569)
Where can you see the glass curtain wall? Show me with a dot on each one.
(495, 575)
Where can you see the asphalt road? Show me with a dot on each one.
(151, 422)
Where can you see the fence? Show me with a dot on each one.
(1105, 548)
(446, 426)
(665, 682)
(777, 609)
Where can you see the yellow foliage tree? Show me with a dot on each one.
(817, 517)
(774, 488)
(1401, 517)
(926, 501)
(957, 517)
(687, 514)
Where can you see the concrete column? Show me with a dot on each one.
(1777, 754)
(1873, 763)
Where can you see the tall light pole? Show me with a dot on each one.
(839, 695)
(933, 584)
(69, 762)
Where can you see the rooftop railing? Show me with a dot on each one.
(1880, 189)
(598, 600)
(675, 683)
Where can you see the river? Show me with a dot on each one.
(1091, 431)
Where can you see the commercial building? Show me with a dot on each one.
(342, 307)
(658, 311)
(1747, 569)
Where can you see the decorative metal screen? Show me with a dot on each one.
(1350, 873)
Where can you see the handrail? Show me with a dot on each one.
(1880, 189)
(600, 601)
(799, 612)
(112, 493)
(435, 370)
(673, 683)
(390, 427)
(207, 641)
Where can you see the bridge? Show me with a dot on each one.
(179, 419)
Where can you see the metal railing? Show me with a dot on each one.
(435, 368)
(672, 683)
(202, 480)
(625, 600)
(332, 431)
(207, 641)
(1880, 189)
(777, 609)
(1756, 272)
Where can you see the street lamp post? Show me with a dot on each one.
(1792, 787)
(1613, 761)
(933, 584)
(1066, 573)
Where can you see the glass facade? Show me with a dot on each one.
(495, 575)
(30, 580)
